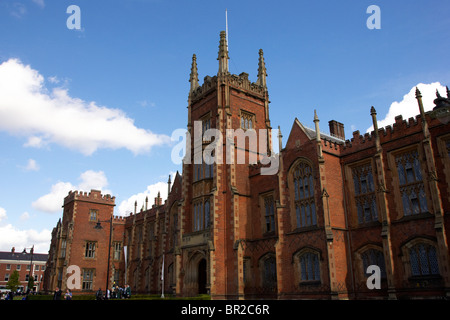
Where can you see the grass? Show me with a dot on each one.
(87, 297)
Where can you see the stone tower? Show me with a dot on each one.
(229, 129)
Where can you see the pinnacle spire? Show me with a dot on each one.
(223, 54)
(418, 94)
(193, 79)
(262, 72)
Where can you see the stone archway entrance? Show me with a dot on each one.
(202, 277)
(196, 278)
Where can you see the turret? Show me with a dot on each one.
(262, 72)
(193, 79)
(223, 55)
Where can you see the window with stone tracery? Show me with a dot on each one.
(305, 208)
(247, 120)
(364, 186)
(268, 271)
(269, 214)
(201, 216)
(373, 257)
(412, 189)
(309, 267)
(423, 259)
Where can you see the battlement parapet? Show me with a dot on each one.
(92, 196)
(240, 81)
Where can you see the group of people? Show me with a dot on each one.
(116, 293)
(58, 294)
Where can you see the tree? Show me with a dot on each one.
(31, 283)
(13, 282)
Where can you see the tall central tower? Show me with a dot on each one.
(216, 190)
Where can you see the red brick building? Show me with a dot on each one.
(306, 224)
(81, 239)
(27, 263)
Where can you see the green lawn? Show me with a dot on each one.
(133, 297)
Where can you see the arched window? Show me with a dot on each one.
(269, 214)
(373, 257)
(309, 267)
(364, 188)
(269, 272)
(423, 260)
(411, 183)
(305, 208)
(201, 216)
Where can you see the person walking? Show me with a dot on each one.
(128, 292)
(57, 294)
(99, 294)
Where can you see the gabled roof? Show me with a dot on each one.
(8, 255)
(311, 133)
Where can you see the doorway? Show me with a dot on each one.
(202, 277)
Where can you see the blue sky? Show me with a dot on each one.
(95, 107)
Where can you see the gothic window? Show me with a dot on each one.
(151, 235)
(206, 124)
(363, 182)
(269, 272)
(202, 211)
(309, 267)
(175, 228)
(269, 214)
(373, 257)
(247, 120)
(63, 248)
(203, 171)
(198, 216)
(411, 183)
(305, 209)
(423, 260)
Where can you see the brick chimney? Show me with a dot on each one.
(337, 129)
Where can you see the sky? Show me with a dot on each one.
(94, 105)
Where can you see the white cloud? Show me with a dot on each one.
(25, 216)
(40, 3)
(20, 239)
(127, 206)
(408, 106)
(3, 215)
(93, 180)
(43, 116)
(52, 202)
(31, 165)
(17, 9)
